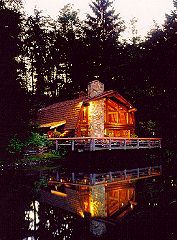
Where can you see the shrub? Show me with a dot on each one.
(37, 140)
(15, 146)
(41, 183)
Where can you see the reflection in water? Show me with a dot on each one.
(29, 238)
(32, 215)
(22, 218)
(52, 223)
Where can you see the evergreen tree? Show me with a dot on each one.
(153, 76)
(65, 53)
(135, 38)
(36, 51)
(102, 31)
(13, 102)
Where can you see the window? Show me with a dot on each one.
(113, 117)
(122, 117)
(84, 115)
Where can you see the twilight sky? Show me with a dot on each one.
(144, 10)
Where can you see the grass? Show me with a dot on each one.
(44, 161)
(43, 156)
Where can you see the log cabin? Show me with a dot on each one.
(98, 113)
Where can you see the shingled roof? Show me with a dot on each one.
(66, 110)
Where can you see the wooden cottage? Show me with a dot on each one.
(100, 113)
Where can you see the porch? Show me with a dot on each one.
(106, 143)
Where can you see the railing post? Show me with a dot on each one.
(56, 145)
(73, 177)
(92, 144)
(94, 178)
(138, 143)
(57, 176)
(138, 172)
(150, 171)
(109, 144)
(110, 176)
(125, 174)
(72, 145)
(91, 179)
(160, 144)
(125, 144)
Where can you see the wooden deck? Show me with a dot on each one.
(106, 143)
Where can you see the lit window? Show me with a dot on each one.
(113, 117)
(84, 115)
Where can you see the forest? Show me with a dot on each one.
(43, 61)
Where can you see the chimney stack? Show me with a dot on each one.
(95, 88)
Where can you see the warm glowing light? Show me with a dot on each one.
(90, 107)
(52, 124)
(59, 193)
(64, 133)
(81, 214)
(86, 206)
(92, 209)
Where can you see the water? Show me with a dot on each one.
(23, 217)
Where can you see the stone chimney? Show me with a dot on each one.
(96, 110)
(95, 88)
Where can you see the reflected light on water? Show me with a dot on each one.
(32, 216)
(29, 238)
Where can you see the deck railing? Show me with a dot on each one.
(109, 177)
(109, 143)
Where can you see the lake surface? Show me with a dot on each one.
(23, 217)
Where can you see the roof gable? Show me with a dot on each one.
(113, 95)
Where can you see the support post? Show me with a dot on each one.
(109, 144)
(57, 177)
(72, 145)
(138, 172)
(110, 176)
(160, 143)
(149, 172)
(138, 143)
(56, 145)
(125, 174)
(73, 177)
(92, 144)
(91, 179)
(125, 144)
(94, 178)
